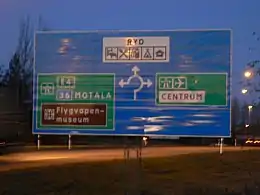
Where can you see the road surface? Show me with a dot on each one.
(47, 158)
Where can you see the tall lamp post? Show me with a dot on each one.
(248, 74)
(250, 107)
(250, 84)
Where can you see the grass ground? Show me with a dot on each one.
(187, 174)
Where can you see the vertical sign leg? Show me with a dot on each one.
(221, 146)
(38, 142)
(140, 164)
(126, 166)
(69, 142)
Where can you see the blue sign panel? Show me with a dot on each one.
(140, 83)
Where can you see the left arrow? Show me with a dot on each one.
(122, 83)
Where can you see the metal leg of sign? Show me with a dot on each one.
(126, 151)
(140, 177)
(133, 166)
(221, 146)
(69, 142)
(126, 166)
(38, 142)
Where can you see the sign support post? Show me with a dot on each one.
(38, 142)
(126, 162)
(221, 146)
(130, 166)
(69, 142)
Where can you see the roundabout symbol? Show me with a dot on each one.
(143, 83)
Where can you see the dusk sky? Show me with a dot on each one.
(239, 15)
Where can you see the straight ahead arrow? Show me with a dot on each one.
(135, 69)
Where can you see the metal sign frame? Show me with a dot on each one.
(144, 33)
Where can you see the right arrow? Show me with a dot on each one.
(148, 83)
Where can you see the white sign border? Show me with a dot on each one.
(167, 48)
(190, 105)
(109, 31)
(66, 127)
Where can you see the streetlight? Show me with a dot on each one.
(249, 113)
(248, 74)
(244, 91)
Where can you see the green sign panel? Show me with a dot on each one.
(209, 89)
(76, 101)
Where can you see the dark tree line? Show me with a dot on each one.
(16, 85)
(17, 75)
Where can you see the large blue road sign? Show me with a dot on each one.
(153, 83)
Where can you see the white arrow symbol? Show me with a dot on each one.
(122, 83)
(135, 69)
(148, 83)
